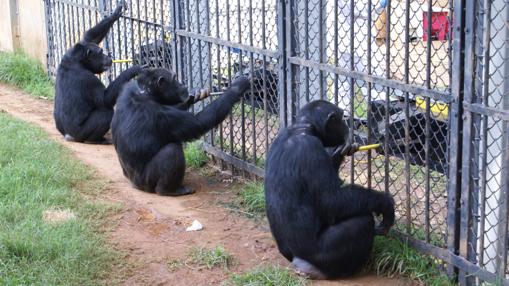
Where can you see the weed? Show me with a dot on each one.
(195, 155)
(210, 258)
(266, 276)
(26, 73)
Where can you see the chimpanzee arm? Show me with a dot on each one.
(185, 126)
(113, 90)
(340, 201)
(97, 33)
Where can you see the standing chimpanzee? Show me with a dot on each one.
(83, 106)
(324, 227)
(151, 122)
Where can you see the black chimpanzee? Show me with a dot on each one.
(324, 227)
(151, 122)
(83, 106)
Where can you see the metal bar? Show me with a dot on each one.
(291, 69)
(219, 79)
(306, 52)
(282, 40)
(264, 77)
(336, 50)
(236, 162)
(352, 87)
(393, 84)
(242, 103)
(455, 143)
(502, 114)
(369, 105)
(427, 147)
(486, 65)
(465, 248)
(450, 258)
(407, 122)
(228, 43)
(251, 63)
(387, 93)
(146, 22)
(228, 37)
(89, 7)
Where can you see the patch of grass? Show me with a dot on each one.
(195, 155)
(26, 73)
(393, 257)
(210, 258)
(266, 276)
(37, 175)
(251, 198)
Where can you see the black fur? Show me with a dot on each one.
(150, 124)
(324, 227)
(83, 105)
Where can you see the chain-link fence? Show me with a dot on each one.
(428, 80)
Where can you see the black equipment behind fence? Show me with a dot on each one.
(429, 80)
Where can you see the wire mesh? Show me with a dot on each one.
(387, 63)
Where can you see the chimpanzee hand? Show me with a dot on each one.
(349, 149)
(387, 210)
(198, 95)
(240, 85)
(118, 11)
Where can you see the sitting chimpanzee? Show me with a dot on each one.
(83, 106)
(324, 227)
(151, 122)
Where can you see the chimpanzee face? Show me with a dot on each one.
(327, 121)
(163, 86)
(93, 58)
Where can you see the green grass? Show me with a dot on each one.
(251, 198)
(26, 73)
(37, 175)
(393, 257)
(195, 155)
(266, 276)
(210, 258)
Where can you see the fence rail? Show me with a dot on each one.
(429, 79)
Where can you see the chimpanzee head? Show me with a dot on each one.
(163, 86)
(327, 122)
(93, 58)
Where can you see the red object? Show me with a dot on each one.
(439, 26)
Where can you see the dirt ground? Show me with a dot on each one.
(151, 228)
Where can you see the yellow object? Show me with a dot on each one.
(122, 61)
(437, 108)
(368, 147)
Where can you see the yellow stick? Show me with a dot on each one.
(122, 61)
(368, 147)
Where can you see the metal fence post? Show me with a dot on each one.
(50, 54)
(283, 63)
(291, 69)
(456, 124)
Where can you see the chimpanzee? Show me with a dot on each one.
(151, 122)
(325, 228)
(83, 106)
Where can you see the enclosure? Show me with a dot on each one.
(429, 80)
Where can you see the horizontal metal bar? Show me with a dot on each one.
(236, 162)
(486, 110)
(448, 257)
(192, 35)
(392, 83)
(153, 24)
(88, 7)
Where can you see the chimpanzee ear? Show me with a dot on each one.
(87, 53)
(160, 80)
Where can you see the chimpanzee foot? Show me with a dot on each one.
(69, 138)
(304, 268)
(101, 141)
(181, 191)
